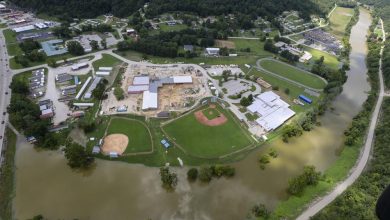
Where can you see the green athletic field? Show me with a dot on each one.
(293, 73)
(207, 141)
(138, 134)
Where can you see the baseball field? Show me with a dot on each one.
(208, 132)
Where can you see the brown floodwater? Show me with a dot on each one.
(114, 190)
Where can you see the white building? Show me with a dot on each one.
(305, 57)
(271, 109)
(211, 51)
(24, 28)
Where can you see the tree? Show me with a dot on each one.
(168, 179)
(75, 48)
(19, 86)
(51, 62)
(77, 155)
(260, 210)
(103, 43)
(205, 174)
(296, 185)
(98, 92)
(94, 45)
(192, 174)
(119, 93)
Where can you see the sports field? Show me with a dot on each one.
(137, 133)
(211, 113)
(293, 73)
(339, 20)
(205, 141)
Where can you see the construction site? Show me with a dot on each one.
(154, 91)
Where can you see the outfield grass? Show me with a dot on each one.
(208, 141)
(106, 61)
(339, 20)
(138, 134)
(293, 73)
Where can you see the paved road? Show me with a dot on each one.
(259, 67)
(5, 77)
(361, 163)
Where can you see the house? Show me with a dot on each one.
(189, 48)
(211, 51)
(271, 109)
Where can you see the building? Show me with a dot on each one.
(136, 89)
(47, 113)
(305, 57)
(189, 48)
(54, 47)
(149, 88)
(93, 86)
(141, 80)
(271, 109)
(211, 51)
(79, 66)
(24, 28)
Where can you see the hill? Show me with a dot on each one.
(123, 8)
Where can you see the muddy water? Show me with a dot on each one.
(45, 185)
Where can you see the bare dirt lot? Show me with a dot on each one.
(225, 43)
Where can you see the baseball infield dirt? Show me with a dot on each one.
(201, 118)
(115, 143)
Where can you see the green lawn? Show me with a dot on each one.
(293, 73)
(136, 131)
(11, 42)
(208, 141)
(329, 59)
(256, 46)
(339, 20)
(106, 61)
(177, 27)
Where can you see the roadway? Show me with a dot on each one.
(363, 159)
(5, 94)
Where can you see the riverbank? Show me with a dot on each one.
(7, 176)
(348, 155)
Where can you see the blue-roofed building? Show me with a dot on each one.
(165, 143)
(54, 47)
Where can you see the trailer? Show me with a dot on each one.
(305, 99)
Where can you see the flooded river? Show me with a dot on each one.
(113, 190)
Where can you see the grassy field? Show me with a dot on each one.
(292, 73)
(329, 59)
(208, 141)
(11, 42)
(282, 85)
(106, 61)
(339, 20)
(138, 134)
(256, 46)
(7, 177)
(177, 27)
